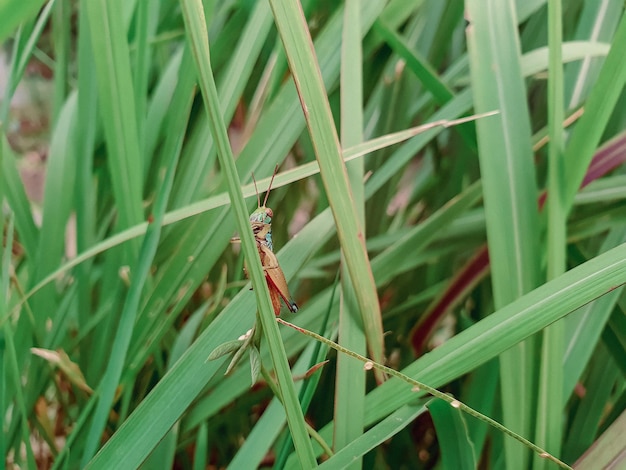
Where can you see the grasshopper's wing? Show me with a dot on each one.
(275, 296)
(276, 278)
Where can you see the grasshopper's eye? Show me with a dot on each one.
(269, 212)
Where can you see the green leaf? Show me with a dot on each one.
(510, 192)
(255, 364)
(457, 450)
(225, 348)
(383, 431)
(14, 12)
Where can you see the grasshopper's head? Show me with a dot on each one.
(262, 215)
(261, 223)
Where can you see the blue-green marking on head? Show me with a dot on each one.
(261, 223)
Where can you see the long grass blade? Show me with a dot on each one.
(510, 192)
(198, 41)
(298, 47)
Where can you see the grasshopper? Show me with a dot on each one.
(261, 223)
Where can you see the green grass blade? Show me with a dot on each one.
(350, 378)
(14, 12)
(608, 449)
(201, 453)
(537, 60)
(591, 410)
(584, 327)
(375, 436)
(60, 175)
(597, 23)
(198, 39)
(510, 192)
(452, 435)
(117, 106)
(548, 426)
(146, 20)
(297, 42)
(598, 108)
(61, 39)
(84, 194)
(17, 200)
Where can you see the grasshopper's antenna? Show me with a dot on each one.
(258, 198)
(270, 186)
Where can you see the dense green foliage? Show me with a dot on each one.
(484, 258)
